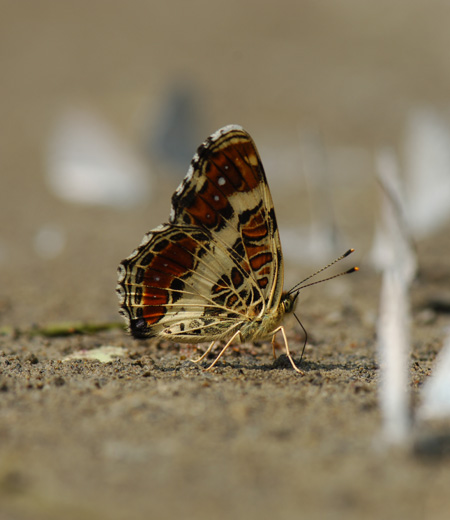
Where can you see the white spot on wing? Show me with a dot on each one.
(221, 181)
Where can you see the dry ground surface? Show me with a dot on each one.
(149, 434)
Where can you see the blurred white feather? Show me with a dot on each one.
(398, 262)
(436, 390)
(393, 351)
(89, 164)
(427, 168)
(393, 245)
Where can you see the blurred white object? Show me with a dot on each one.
(397, 259)
(49, 241)
(393, 351)
(89, 164)
(427, 161)
(104, 354)
(436, 390)
(393, 246)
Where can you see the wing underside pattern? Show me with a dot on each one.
(217, 264)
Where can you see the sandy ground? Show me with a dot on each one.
(148, 434)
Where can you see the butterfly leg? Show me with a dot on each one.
(283, 333)
(207, 351)
(275, 345)
(222, 352)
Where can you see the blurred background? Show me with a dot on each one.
(104, 103)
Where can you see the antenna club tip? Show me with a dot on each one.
(353, 270)
(349, 252)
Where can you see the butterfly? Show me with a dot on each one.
(214, 272)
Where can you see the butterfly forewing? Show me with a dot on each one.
(217, 264)
(226, 191)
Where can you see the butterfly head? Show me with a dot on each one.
(289, 301)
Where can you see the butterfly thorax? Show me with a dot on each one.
(264, 326)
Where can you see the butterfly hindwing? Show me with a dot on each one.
(177, 284)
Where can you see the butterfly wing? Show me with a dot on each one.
(218, 262)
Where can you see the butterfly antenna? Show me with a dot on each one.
(300, 285)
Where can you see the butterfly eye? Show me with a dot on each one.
(289, 304)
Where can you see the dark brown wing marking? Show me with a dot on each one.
(222, 168)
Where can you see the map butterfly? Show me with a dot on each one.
(215, 271)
